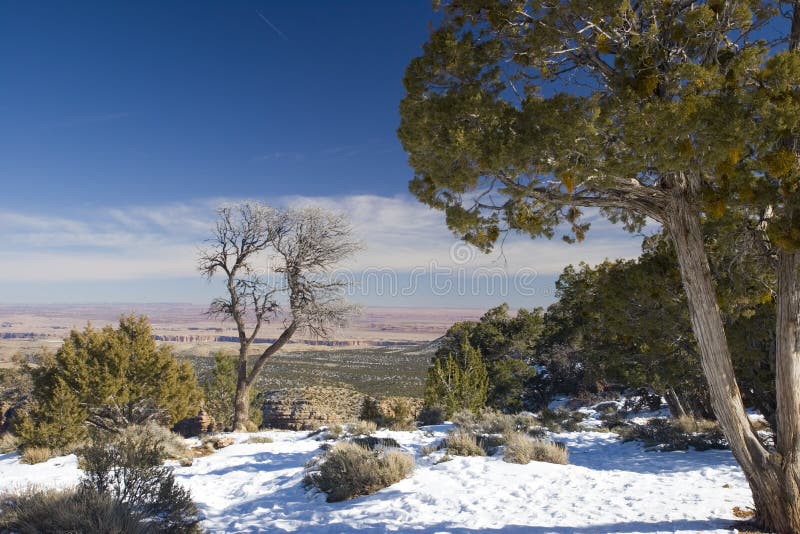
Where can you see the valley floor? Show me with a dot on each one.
(609, 486)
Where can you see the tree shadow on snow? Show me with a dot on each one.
(680, 525)
(612, 455)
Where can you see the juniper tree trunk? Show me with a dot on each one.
(787, 382)
(772, 478)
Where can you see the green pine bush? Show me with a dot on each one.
(459, 382)
(107, 379)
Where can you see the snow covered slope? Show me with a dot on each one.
(609, 486)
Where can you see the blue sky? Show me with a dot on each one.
(124, 124)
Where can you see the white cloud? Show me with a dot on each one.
(160, 241)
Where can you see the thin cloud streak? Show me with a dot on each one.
(161, 241)
(271, 25)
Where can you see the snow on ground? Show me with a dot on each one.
(609, 486)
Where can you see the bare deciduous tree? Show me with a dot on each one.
(276, 262)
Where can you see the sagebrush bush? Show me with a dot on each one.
(463, 443)
(561, 420)
(172, 445)
(334, 431)
(401, 415)
(39, 511)
(259, 439)
(36, 455)
(675, 434)
(349, 470)
(8, 442)
(493, 422)
(521, 449)
(690, 425)
(431, 415)
(131, 471)
(361, 428)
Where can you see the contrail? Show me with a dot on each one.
(271, 25)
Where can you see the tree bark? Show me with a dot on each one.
(245, 380)
(241, 403)
(787, 382)
(773, 479)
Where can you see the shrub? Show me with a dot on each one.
(493, 422)
(521, 449)
(690, 425)
(458, 381)
(427, 450)
(131, 472)
(35, 455)
(72, 388)
(172, 445)
(401, 415)
(362, 428)
(561, 420)
(374, 443)
(219, 388)
(431, 415)
(349, 470)
(334, 431)
(8, 443)
(463, 443)
(37, 511)
(675, 435)
(259, 439)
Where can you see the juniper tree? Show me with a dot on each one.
(107, 378)
(458, 381)
(520, 114)
(506, 345)
(276, 262)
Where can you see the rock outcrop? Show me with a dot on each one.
(310, 407)
(191, 427)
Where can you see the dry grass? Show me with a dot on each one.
(35, 455)
(259, 439)
(493, 422)
(362, 428)
(743, 513)
(173, 445)
(690, 425)
(349, 470)
(463, 443)
(8, 443)
(334, 431)
(759, 424)
(521, 449)
(36, 511)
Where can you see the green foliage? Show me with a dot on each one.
(626, 322)
(219, 388)
(506, 345)
(109, 378)
(459, 382)
(56, 420)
